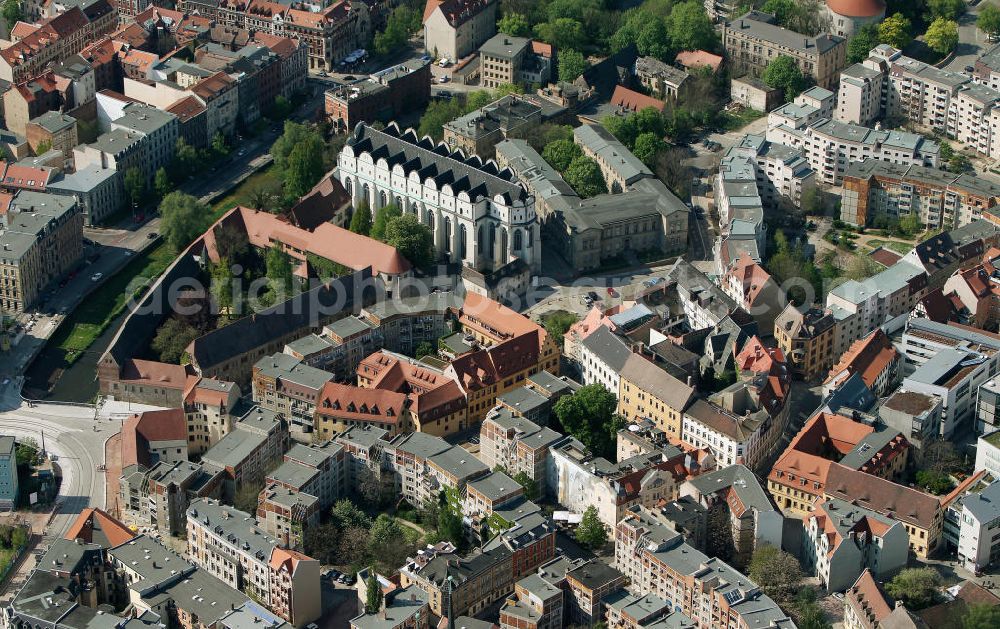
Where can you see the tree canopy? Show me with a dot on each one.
(589, 415)
(182, 219)
(572, 64)
(560, 153)
(942, 35)
(402, 22)
(591, 532)
(865, 38)
(585, 177)
(411, 238)
(172, 339)
(514, 24)
(989, 20)
(776, 572)
(982, 616)
(947, 9)
(784, 73)
(361, 220)
(916, 587)
(895, 30)
(382, 216)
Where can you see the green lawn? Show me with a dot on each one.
(266, 178)
(901, 248)
(100, 308)
(733, 121)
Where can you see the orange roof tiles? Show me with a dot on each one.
(212, 86)
(869, 357)
(585, 327)
(751, 276)
(22, 30)
(142, 429)
(361, 404)
(24, 177)
(698, 58)
(186, 108)
(327, 240)
(497, 321)
(95, 526)
(803, 458)
(162, 375)
(541, 49)
(285, 558)
(882, 496)
(635, 101)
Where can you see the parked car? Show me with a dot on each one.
(151, 235)
(96, 277)
(593, 296)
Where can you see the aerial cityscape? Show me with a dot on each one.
(499, 314)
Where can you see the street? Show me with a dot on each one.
(971, 41)
(69, 435)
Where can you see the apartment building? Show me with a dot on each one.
(800, 475)
(940, 199)
(630, 611)
(160, 497)
(383, 96)
(732, 437)
(978, 517)
(603, 355)
(340, 407)
(754, 40)
(922, 515)
(123, 571)
(807, 338)
(454, 29)
(658, 561)
(648, 392)
(479, 131)
(753, 519)
(437, 404)
(41, 239)
(954, 375)
(582, 480)
(208, 411)
(662, 79)
(518, 445)
(704, 303)
(842, 539)
(874, 358)
(255, 443)
(867, 607)
(54, 39)
(330, 32)
(282, 384)
(99, 191)
(423, 466)
(831, 146)
(501, 58)
(227, 543)
(535, 604)
(753, 288)
(988, 453)
(54, 130)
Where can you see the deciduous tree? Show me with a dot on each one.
(690, 29)
(895, 31)
(571, 65)
(591, 532)
(989, 20)
(647, 147)
(382, 216)
(182, 219)
(589, 415)
(373, 593)
(171, 341)
(514, 24)
(135, 186)
(560, 153)
(982, 616)
(776, 572)
(784, 73)
(412, 239)
(862, 43)
(162, 183)
(916, 587)
(942, 35)
(947, 9)
(584, 175)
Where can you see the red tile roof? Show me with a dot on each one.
(634, 101)
(361, 404)
(186, 108)
(698, 58)
(95, 526)
(870, 357)
(885, 257)
(496, 321)
(143, 429)
(327, 240)
(882, 496)
(162, 375)
(751, 276)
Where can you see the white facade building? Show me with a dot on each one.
(479, 215)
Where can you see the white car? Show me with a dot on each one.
(96, 277)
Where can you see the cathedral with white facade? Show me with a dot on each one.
(480, 216)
